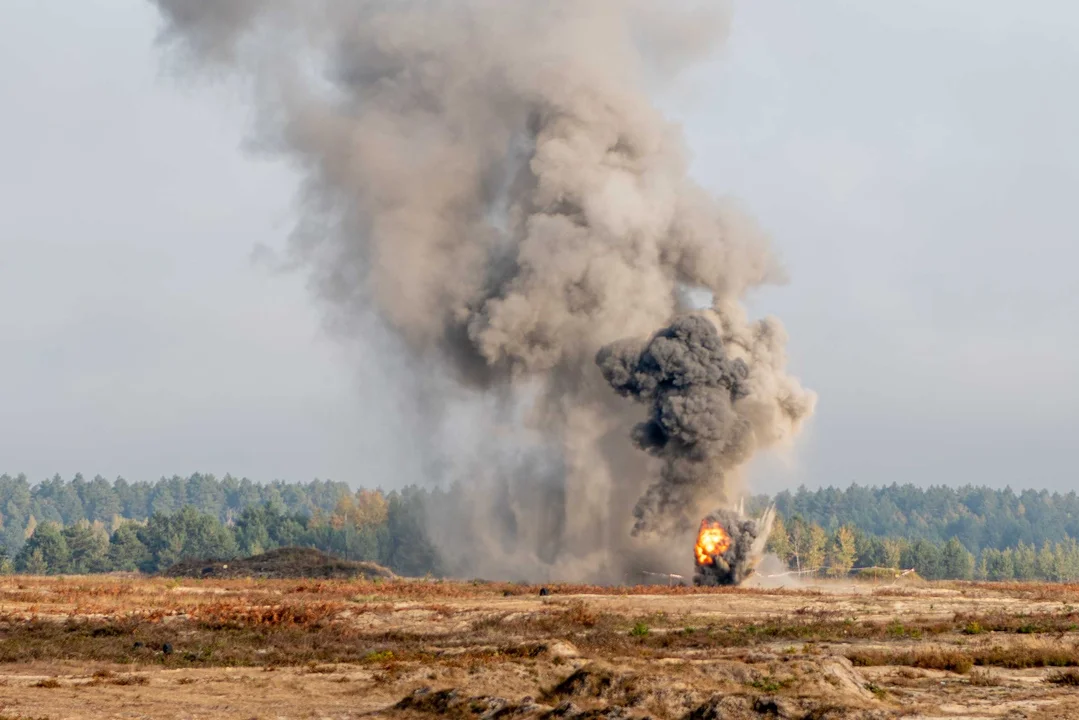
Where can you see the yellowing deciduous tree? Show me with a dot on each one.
(815, 552)
(367, 508)
(841, 557)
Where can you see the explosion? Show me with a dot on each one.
(730, 545)
(711, 540)
(489, 197)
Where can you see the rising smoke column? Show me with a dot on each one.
(490, 181)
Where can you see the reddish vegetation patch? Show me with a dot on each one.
(237, 615)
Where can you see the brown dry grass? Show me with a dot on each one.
(365, 645)
(48, 683)
(984, 678)
(929, 658)
(1019, 655)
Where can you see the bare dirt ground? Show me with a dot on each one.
(126, 647)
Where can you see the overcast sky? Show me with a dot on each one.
(915, 163)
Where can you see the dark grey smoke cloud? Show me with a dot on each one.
(491, 182)
(705, 415)
(691, 384)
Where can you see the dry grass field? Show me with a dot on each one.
(118, 647)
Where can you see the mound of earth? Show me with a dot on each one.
(289, 562)
(828, 689)
(592, 688)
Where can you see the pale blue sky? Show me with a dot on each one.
(914, 162)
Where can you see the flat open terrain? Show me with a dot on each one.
(117, 647)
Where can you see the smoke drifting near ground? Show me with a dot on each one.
(772, 572)
(491, 182)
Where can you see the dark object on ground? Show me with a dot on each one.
(544, 592)
(289, 562)
(455, 703)
(137, 646)
(167, 648)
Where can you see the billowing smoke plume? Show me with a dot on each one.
(713, 401)
(491, 183)
(739, 555)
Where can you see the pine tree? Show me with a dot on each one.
(88, 548)
(1066, 556)
(126, 551)
(893, 552)
(999, 565)
(45, 552)
(1025, 561)
(924, 557)
(34, 563)
(1047, 563)
(956, 561)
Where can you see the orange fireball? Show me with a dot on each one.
(712, 540)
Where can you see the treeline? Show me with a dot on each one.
(978, 517)
(23, 506)
(81, 525)
(807, 547)
(365, 525)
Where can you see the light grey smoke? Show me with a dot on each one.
(707, 416)
(491, 181)
(746, 550)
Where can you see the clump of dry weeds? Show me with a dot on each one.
(1068, 677)
(926, 658)
(1020, 655)
(984, 678)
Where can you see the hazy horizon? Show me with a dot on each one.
(913, 166)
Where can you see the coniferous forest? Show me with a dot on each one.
(86, 526)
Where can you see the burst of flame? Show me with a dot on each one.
(711, 540)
